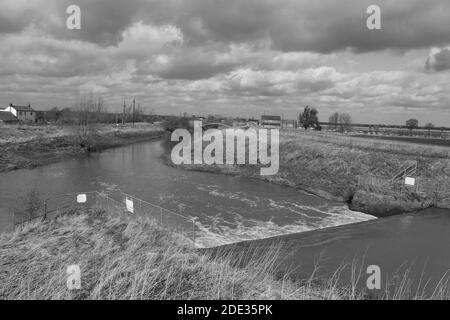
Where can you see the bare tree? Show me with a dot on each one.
(334, 120)
(345, 122)
(99, 105)
(429, 126)
(89, 109)
(139, 113)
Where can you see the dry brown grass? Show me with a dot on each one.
(388, 146)
(25, 133)
(333, 162)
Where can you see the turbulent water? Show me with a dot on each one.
(226, 209)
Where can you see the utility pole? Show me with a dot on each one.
(134, 103)
(123, 114)
(139, 112)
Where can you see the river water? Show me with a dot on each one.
(227, 209)
(413, 248)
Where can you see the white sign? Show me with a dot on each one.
(81, 198)
(130, 205)
(410, 181)
(74, 277)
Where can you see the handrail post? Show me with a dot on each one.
(193, 233)
(45, 209)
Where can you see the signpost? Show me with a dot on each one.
(129, 204)
(81, 198)
(410, 181)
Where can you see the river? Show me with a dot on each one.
(413, 248)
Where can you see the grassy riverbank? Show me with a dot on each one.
(135, 259)
(31, 146)
(328, 165)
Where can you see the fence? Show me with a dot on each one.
(125, 204)
(52, 207)
(437, 188)
(166, 218)
(374, 182)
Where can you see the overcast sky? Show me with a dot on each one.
(232, 57)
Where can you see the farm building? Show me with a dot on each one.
(7, 118)
(22, 113)
(271, 121)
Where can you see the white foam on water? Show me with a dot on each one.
(341, 215)
(220, 232)
(211, 237)
(240, 196)
(301, 210)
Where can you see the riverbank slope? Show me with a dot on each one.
(31, 146)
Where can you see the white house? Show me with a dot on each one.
(22, 113)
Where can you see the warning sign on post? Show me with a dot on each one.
(410, 181)
(129, 204)
(81, 198)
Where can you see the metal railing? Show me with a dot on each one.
(52, 207)
(165, 218)
(126, 204)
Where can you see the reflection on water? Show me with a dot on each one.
(226, 209)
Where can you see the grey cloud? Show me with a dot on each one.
(326, 25)
(40, 56)
(291, 25)
(439, 61)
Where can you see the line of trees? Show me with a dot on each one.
(341, 121)
(309, 118)
(90, 108)
(412, 124)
